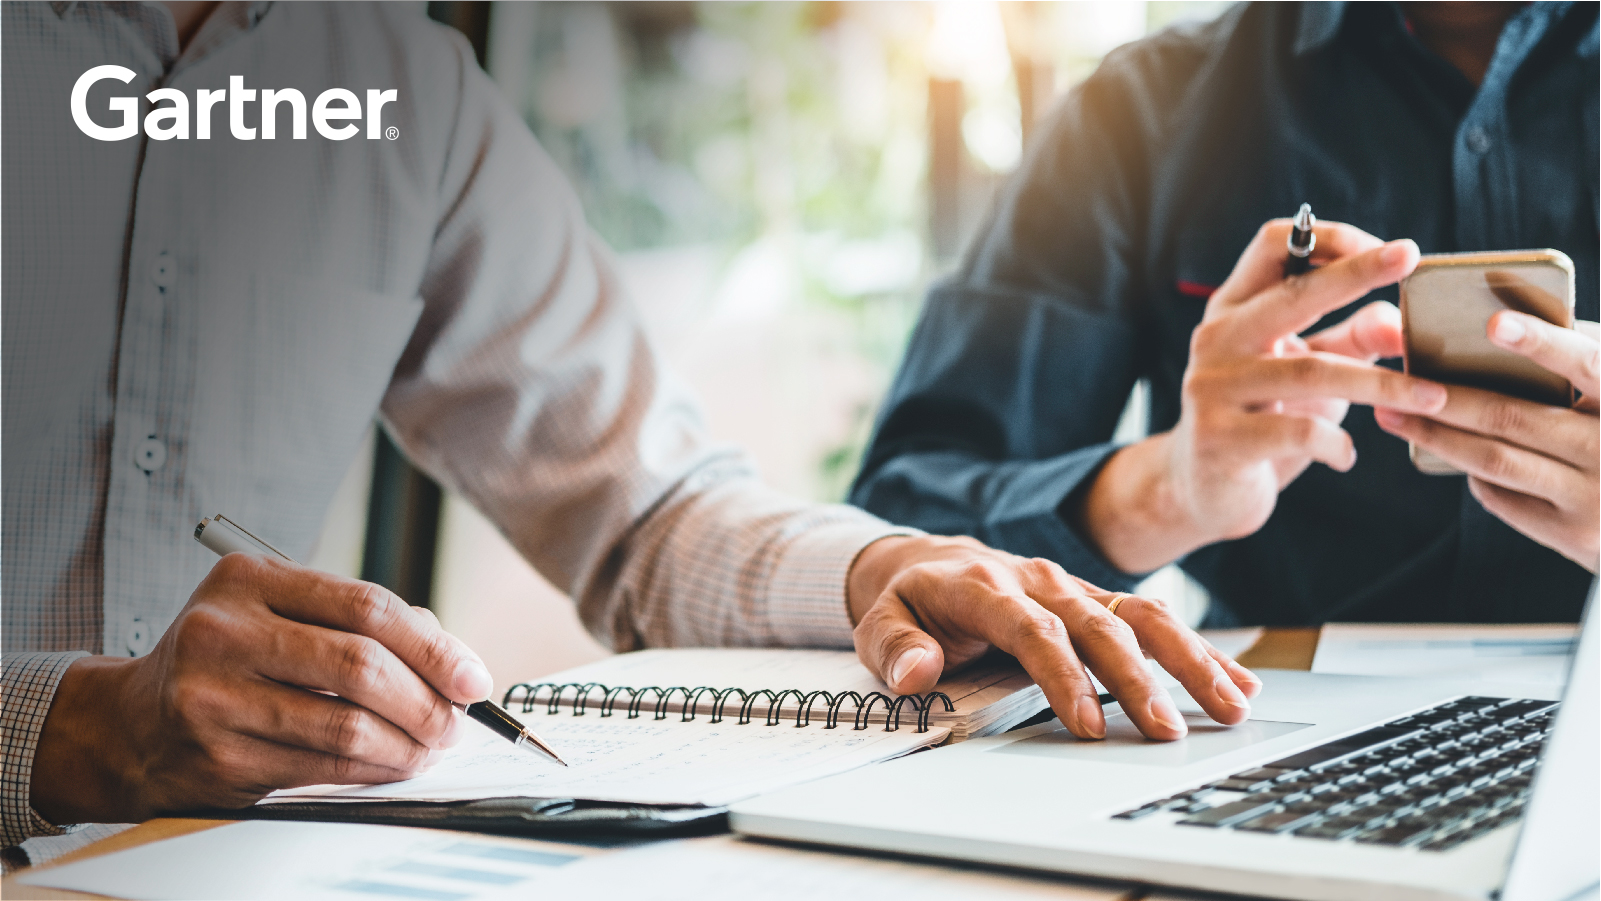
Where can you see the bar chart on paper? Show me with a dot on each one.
(317, 862)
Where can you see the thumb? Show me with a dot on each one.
(1371, 333)
(893, 647)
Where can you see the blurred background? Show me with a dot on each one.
(780, 181)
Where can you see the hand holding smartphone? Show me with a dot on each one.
(1446, 305)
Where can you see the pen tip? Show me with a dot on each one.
(1304, 218)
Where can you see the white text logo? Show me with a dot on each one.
(164, 123)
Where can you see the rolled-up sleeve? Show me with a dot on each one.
(531, 387)
(30, 682)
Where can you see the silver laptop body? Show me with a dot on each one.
(1412, 789)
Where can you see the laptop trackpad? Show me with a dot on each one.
(1124, 744)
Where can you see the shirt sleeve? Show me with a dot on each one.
(1021, 363)
(531, 387)
(29, 682)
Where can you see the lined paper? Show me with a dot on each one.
(642, 761)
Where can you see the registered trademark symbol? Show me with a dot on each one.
(391, 132)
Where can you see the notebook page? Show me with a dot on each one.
(642, 761)
(970, 690)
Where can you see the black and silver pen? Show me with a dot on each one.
(1301, 243)
(223, 536)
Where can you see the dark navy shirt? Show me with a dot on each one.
(1137, 199)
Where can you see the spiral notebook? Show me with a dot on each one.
(703, 727)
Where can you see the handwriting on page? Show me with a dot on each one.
(643, 760)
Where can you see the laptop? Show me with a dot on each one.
(1337, 787)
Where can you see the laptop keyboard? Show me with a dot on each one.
(1431, 780)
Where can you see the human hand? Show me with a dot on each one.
(272, 676)
(924, 606)
(1532, 465)
(1260, 403)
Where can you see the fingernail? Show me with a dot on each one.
(1163, 711)
(455, 731)
(433, 758)
(903, 666)
(1508, 330)
(472, 679)
(1428, 394)
(1091, 721)
(1230, 693)
(1395, 252)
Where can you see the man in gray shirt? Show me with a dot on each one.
(274, 221)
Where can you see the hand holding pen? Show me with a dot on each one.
(271, 676)
(1261, 401)
(223, 536)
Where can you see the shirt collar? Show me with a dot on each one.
(250, 13)
(1320, 22)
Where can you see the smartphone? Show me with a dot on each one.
(1446, 305)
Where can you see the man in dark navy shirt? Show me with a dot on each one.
(1458, 126)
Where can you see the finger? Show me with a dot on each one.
(427, 616)
(1188, 659)
(1560, 433)
(892, 644)
(985, 599)
(1259, 380)
(363, 608)
(1254, 437)
(1246, 680)
(1372, 333)
(1514, 508)
(1490, 459)
(317, 722)
(1566, 352)
(1262, 264)
(273, 766)
(1107, 645)
(362, 671)
(1541, 521)
(1296, 303)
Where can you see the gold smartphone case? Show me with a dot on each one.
(1446, 305)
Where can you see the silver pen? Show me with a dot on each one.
(223, 536)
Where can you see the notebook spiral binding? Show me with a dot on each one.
(528, 695)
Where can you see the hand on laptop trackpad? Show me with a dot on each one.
(1125, 744)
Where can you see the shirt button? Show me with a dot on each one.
(161, 271)
(141, 637)
(150, 455)
(1477, 140)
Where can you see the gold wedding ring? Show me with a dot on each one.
(1117, 599)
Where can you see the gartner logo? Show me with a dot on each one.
(164, 123)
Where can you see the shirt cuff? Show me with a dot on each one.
(807, 603)
(1030, 522)
(30, 682)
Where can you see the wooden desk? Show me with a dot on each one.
(1276, 649)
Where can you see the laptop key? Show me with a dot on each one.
(1332, 829)
(1241, 785)
(1262, 774)
(1228, 814)
(1342, 747)
(1278, 821)
(1395, 835)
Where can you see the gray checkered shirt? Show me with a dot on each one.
(193, 326)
